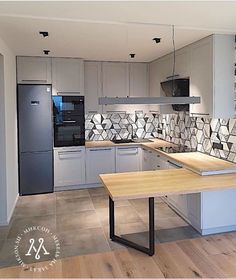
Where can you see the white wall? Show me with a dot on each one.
(8, 135)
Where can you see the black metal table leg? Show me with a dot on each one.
(151, 249)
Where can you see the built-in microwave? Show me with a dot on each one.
(68, 120)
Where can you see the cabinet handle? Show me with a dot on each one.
(69, 121)
(127, 148)
(174, 164)
(195, 113)
(66, 93)
(100, 149)
(69, 151)
(35, 80)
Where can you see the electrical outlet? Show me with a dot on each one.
(217, 145)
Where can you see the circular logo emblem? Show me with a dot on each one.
(36, 244)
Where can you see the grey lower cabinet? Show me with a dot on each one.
(69, 167)
(128, 159)
(99, 161)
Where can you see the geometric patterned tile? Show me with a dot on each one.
(178, 128)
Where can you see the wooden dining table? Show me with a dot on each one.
(151, 184)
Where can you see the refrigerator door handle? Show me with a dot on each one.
(69, 121)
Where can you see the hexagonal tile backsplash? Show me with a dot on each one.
(198, 133)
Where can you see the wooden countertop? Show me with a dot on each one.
(198, 162)
(107, 143)
(134, 185)
(99, 143)
(203, 164)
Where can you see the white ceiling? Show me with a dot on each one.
(102, 30)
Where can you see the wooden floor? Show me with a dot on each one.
(213, 256)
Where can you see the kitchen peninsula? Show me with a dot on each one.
(164, 183)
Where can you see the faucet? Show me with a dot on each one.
(132, 130)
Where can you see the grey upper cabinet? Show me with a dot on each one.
(138, 79)
(68, 76)
(34, 70)
(212, 76)
(92, 86)
(209, 63)
(115, 79)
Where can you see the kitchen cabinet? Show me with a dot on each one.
(147, 159)
(138, 79)
(159, 71)
(92, 86)
(209, 63)
(69, 166)
(99, 161)
(68, 76)
(115, 83)
(188, 206)
(182, 62)
(128, 159)
(115, 79)
(34, 70)
(212, 76)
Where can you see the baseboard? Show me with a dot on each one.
(12, 210)
(218, 230)
(2, 224)
(76, 187)
(6, 223)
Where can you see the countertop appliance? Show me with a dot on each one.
(178, 87)
(176, 149)
(35, 142)
(68, 120)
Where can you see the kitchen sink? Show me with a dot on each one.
(141, 140)
(131, 140)
(122, 141)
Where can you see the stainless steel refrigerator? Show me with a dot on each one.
(35, 139)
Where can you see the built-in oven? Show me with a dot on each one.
(69, 121)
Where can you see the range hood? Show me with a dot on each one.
(148, 100)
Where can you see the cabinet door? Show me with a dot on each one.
(34, 70)
(99, 161)
(182, 62)
(69, 167)
(92, 86)
(201, 79)
(138, 79)
(115, 78)
(127, 159)
(68, 76)
(147, 160)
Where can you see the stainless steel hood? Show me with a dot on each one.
(148, 100)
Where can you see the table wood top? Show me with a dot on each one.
(134, 185)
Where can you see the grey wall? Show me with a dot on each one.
(3, 190)
(8, 138)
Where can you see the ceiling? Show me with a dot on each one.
(103, 30)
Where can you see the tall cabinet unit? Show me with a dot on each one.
(115, 82)
(68, 76)
(92, 86)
